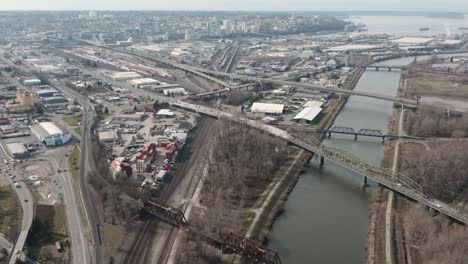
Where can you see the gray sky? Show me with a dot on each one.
(254, 5)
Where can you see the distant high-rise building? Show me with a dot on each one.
(92, 14)
(227, 26)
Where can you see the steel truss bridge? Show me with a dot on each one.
(387, 67)
(253, 250)
(394, 181)
(361, 132)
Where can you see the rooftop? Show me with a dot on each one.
(16, 148)
(47, 129)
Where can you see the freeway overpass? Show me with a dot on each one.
(394, 181)
(206, 72)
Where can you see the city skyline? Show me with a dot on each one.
(254, 5)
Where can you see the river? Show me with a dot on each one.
(410, 25)
(326, 216)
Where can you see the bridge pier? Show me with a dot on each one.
(322, 161)
(364, 183)
(377, 68)
(383, 139)
(355, 137)
(329, 134)
(389, 68)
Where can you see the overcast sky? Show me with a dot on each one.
(253, 5)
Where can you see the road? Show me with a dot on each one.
(27, 204)
(74, 223)
(86, 165)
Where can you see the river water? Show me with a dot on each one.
(326, 216)
(410, 25)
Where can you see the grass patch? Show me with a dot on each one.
(112, 237)
(48, 227)
(77, 130)
(72, 120)
(74, 162)
(437, 87)
(10, 212)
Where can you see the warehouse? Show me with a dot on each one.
(308, 114)
(49, 134)
(17, 150)
(46, 93)
(267, 108)
(32, 82)
(124, 76)
(55, 100)
(142, 82)
(7, 129)
(316, 104)
(174, 91)
(108, 136)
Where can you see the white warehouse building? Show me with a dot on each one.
(49, 134)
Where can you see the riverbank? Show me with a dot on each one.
(275, 204)
(409, 224)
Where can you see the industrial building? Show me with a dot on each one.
(107, 136)
(49, 134)
(174, 91)
(24, 98)
(7, 129)
(124, 76)
(267, 108)
(55, 100)
(308, 114)
(17, 150)
(46, 93)
(165, 113)
(142, 82)
(32, 82)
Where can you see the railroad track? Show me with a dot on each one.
(140, 249)
(169, 243)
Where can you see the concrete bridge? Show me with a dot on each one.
(223, 91)
(210, 75)
(394, 181)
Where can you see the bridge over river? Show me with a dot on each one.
(394, 181)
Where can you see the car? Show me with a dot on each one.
(438, 205)
(59, 171)
(17, 252)
(26, 200)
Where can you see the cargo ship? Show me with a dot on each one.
(463, 28)
(424, 29)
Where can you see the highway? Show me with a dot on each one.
(204, 72)
(75, 226)
(86, 165)
(27, 204)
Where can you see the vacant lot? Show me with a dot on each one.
(10, 212)
(49, 226)
(435, 85)
(72, 120)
